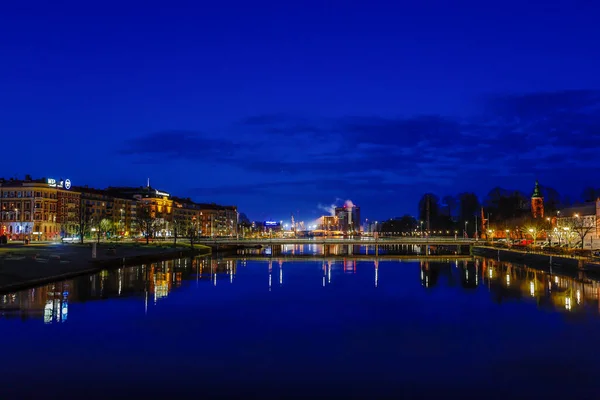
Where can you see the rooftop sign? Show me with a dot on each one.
(159, 193)
(60, 184)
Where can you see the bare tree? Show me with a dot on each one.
(104, 225)
(581, 225)
(179, 229)
(84, 221)
(146, 222)
(192, 231)
(537, 227)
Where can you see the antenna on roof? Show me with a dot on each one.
(148, 182)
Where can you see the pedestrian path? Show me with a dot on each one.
(22, 266)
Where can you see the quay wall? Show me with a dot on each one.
(27, 271)
(538, 260)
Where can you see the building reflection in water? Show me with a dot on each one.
(154, 282)
(569, 293)
(507, 281)
(341, 250)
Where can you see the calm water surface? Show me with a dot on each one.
(318, 328)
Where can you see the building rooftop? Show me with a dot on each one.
(581, 209)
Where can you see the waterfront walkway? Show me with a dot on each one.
(26, 266)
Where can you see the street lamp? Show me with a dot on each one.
(533, 235)
(121, 220)
(421, 228)
(466, 234)
(16, 219)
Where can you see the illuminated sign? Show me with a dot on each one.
(66, 184)
(271, 223)
(158, 193)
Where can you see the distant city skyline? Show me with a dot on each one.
(281, 107)
(314, 216)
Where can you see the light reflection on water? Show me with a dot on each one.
(347, 249)
(154, 282)
(349, 324)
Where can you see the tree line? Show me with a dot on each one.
(146, 222)
(500, 209)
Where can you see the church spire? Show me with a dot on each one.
(537, 202)
(537, 193)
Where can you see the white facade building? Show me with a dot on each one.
(576, 223)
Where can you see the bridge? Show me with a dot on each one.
(363, 241)
(352, 257)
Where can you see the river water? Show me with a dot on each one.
(355, 328)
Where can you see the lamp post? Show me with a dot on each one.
(491, 233)
(533, 233)
(121, 220)
(421, 229)
(16, 220)
(466, 234)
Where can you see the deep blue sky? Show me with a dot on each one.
(284, 106)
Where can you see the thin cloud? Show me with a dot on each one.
(516, 133)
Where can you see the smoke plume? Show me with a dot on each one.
(330, 209)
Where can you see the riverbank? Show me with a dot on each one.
(537, 259)
(22, 267)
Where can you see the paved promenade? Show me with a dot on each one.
(26, 266)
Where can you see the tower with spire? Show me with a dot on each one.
(537, 202)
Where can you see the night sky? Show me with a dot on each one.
(281, 107)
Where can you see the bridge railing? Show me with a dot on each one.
(399, 239)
